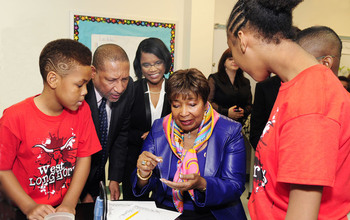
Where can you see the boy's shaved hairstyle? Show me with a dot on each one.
(108, 52)
(323, 36)
(61, 55)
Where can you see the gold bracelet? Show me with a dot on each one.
(143, 178)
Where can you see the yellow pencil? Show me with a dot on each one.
(132, 215)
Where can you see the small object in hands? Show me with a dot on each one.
(143, 162)
(236, 110)
(60, 216)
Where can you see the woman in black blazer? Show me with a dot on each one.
(152, 61)
(230, 93)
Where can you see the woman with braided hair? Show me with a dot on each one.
(302, 162)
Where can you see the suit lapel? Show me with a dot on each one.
(147, 103)
(166, 107)
(114, 121)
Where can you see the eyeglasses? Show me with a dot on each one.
(157, 64)
(322, 57)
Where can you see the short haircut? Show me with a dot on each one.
(322, 35)
(108, 52)
(61, 55)
(156, 47)
(185, 82)
(239, 78)
(272, 19)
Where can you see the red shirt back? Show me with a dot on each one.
(306, 141)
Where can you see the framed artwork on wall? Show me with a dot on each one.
(94, 31)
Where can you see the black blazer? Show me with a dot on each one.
(264, 99)
(141, 113)
(227, 95)
(117, 136)
(140, 123)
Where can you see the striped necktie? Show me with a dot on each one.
(103, 135)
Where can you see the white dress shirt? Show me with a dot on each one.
(156, 112)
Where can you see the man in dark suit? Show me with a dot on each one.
(110, 96)
(264, 99)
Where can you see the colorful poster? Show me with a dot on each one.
(93, 31)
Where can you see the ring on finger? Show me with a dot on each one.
(143, 162)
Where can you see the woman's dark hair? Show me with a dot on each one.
(272, 19)
(154, 46)
(239, 78)
(185, 82)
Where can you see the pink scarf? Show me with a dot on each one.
(188, 162)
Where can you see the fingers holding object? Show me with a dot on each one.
(148, 161)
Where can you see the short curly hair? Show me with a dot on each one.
(187, 81)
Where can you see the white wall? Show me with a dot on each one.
(26, 26)
(201, 38)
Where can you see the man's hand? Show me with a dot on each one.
(88, 199)
(144, 135)
(114, 189)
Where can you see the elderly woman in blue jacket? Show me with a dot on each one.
(193, 159)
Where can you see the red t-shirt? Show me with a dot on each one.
(306, 141)
(41, 150)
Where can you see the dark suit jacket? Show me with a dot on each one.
(224, 169)
(117, 137)
(140, 123)
(264, 99)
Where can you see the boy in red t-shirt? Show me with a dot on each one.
(46, 140)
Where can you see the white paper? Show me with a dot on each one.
(135, 210)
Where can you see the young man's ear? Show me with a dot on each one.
(52, 79)
(327, 61)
